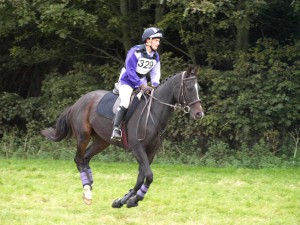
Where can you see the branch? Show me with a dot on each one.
(112, 57)
(178, 49)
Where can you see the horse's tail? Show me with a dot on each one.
(62, 129)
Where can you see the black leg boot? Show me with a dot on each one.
(117, 133)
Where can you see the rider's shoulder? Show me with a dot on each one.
(139, 48)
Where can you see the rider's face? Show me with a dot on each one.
(154, 43)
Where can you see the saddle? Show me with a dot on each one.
(107, 106)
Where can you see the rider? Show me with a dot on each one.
(140, 60)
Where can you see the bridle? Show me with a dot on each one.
(185, 106)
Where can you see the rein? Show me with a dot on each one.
(185, 107)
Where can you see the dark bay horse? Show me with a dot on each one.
(144, 129)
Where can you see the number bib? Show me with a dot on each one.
(145, 65)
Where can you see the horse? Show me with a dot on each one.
(145, 129)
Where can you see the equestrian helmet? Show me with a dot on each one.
(152, 32)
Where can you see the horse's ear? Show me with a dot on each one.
(196, 70)
(189, 70)
(192, 70)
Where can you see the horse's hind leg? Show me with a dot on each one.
(82, 160)
(97, 146)
(83, 138)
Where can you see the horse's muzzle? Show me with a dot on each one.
(196, 111)
(199, 115)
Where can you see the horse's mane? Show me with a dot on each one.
(167, 78)
(191, 70)
(170, 76)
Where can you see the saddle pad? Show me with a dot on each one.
(107, 105)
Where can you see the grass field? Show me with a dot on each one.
(49, 192)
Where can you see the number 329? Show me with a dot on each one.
(145, 64)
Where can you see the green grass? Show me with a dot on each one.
(49, 192)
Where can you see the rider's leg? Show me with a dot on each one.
(125, 92)
(117, 134)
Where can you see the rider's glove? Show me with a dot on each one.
(146, 89)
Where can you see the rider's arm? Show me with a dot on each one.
(155, 73)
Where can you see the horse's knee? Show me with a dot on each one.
(138, 185)
(149, 178)
(81, 164)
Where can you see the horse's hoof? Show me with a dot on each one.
(87, 200)
(133, 201)
(87, 195)
(117, 203)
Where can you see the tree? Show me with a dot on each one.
(53, 52)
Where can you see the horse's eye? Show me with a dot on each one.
(190, 88)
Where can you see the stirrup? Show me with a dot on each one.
(116, 134)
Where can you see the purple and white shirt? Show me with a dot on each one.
(138, 63)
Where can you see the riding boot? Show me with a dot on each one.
(117, 133)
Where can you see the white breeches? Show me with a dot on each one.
(125, 92)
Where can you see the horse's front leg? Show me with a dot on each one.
(144, 181)
(141, 188)
(118, 203)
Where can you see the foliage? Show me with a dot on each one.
(185, 152)
(258, 99)
(54, 52)
(259, 96)
(9, 111)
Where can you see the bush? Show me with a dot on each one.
(218, 154)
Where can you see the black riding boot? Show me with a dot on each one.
(117, 133)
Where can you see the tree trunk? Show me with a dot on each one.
(125, 24)
(242, 26)
(242, 39)
(159, 13)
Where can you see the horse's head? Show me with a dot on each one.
(189, 93)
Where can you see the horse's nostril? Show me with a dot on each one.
(199, 114)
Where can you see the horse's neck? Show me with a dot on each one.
(165, 94)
